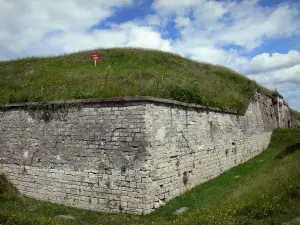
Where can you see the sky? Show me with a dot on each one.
(257, 38)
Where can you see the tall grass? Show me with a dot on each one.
(164, 75)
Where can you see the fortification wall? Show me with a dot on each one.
(126, 155)
(189, 147)
(295, 120)
(90, 158)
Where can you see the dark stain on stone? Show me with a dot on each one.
(185, 178)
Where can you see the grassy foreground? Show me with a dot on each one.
(164, 75)
(264, 190)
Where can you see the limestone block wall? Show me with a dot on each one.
(91, 158)
(268, 107)
(126, 154)
(189, 147)
(282, 112)
(295, 121)
(285, 121)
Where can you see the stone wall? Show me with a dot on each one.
(268, 109)
(295, 120)
(127, 154)
(189, 147)
(91, 158)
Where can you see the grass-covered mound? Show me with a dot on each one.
(163, 75)
(264, 190)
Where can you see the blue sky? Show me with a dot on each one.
(258, 38)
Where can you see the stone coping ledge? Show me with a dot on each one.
(119, 100)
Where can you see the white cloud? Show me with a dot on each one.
(285, 75)
(217, 56)
(141, 36)
(246, 23)
(126, 34)
(79, 41)
(152, 20)
(64, 27)
(174, 6)
(26, 23)
(209, 11)
(266, 62)
(253, 24)
(182, 22)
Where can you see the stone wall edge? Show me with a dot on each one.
(118, 100)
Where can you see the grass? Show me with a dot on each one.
(264, 190)
(164, 75)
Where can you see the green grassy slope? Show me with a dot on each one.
(264, 190)
(118, 74)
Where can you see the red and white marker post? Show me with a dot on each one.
(95, 57)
